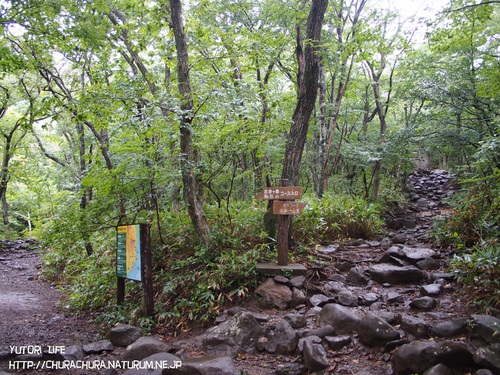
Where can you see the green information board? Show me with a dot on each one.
(128, 253)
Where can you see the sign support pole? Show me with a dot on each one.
(147, 273)
(283, 232)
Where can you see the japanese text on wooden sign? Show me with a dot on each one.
(280, 193)
(288, 208)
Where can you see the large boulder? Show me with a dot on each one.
(239, 334)
(341, 318)
(374, 331)
(275, 294)
(388, 273)
(144, 347)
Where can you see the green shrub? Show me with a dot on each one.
(337, 217)
(478, 270)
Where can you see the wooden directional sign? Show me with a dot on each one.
(280, 193)
(288, 208)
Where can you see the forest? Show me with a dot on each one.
(177, 113)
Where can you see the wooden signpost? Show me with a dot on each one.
(284, 206)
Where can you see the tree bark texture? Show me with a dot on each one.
(307, 92)
(188, 153)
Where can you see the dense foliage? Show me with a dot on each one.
(98, 128)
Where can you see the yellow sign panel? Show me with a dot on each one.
(128, 254)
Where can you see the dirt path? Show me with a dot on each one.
(29, 311)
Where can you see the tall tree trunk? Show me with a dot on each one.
(190, 156)
(308, 76)
(307, 91)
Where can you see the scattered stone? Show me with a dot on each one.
(374, 331)
(124, 335)
(429, 264)
(423, 303)
(274, 294)
(438, 369)
(282, 339)
(144, 347)
(485, 326)
(298, 297)
(449, 328)
(73, 353)
(394, 297)
(418, 254)
(235, 335)
(368, 298)
(415, 326)
(319, 300)
(357, 277)
(399, 238)
(432, 290)
(347, 298)
(98, 347)
(296, 320)
(488, 357)
(321, 331)
(387, 273)
(314, 356)
(338, 342)
(297, 282)
(341, 318)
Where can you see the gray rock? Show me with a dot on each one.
(347, 298)
(144, 347)
(297, 282)
(432, 290)
(488, 357)
(415, 326)
(387, 273)
(438, 369)
(385, 243)
(409, 358)
(298, 297)
(319, 300)
(423, 303)
(341, 318)
(159, 360)
(338, 342)
(449, 328)
(399, 238)
(357, 277)
(485, 326)
(73, 352)
(373, 330)
(98, 347)
(296, 320)
(282, 339)
(418, 254)
(394, 297)
(302, 340)
(314, 356)
(124, 335)
(428, 264)
(368, 298)
(207, 365)
(274, 294)
(483, 372)
(321, 331)
(237, 334)
(332, 287)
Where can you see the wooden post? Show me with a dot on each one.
(147, 270)
(283, 232)
(120, 290)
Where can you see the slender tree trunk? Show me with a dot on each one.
(308, 76)
(190, 156)
(307, 91)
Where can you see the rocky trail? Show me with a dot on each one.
(384, 306)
